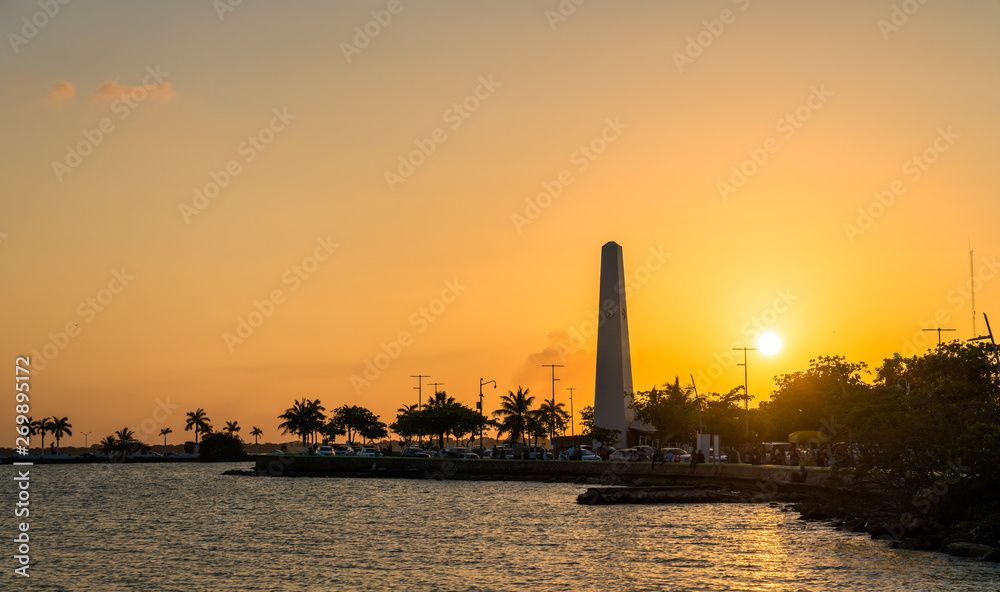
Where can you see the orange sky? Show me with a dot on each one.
(439, 189)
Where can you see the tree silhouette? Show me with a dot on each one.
(304, 418)
(41, 427)
(232, 428)
(125, 441)
(553, 417)
(164, 432)
(513, 414)
(439, 398)
(109, 445)
(198, 421)
(256, 433)
(60, 426)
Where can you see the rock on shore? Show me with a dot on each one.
(654, 495)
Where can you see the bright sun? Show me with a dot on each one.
(769, 343)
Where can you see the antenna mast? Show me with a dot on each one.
(972, 287)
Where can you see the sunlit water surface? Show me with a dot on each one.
(186, 527)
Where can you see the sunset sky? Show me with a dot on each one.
(433, 181)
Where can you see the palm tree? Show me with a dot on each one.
(439, 398)
(231, 428)
(552, 416)
(60, 427)
(513, 413)
(125, 440)
(164, 432)
(33, 429)
(109, 445)
(42, 426)
(256, 433)
(198, 421)
(304, 418)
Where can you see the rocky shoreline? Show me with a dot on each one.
(850, 509)
(867, 512)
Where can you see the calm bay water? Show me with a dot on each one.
(186, 527)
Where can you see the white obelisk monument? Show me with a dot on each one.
(613, 388)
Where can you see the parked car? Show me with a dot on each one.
(508, 453)
(585, 453)
(647, 452)
(325, 451)
(625, 454)
(343, 450)
(460, 452)
(415, 452)
(369, 451)
(680, 455)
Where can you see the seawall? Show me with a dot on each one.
(591, 472)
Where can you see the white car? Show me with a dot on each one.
(325, 451)
(626, 454)
(584, 454)
(369, 451)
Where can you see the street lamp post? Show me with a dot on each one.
(483, 411)
(746, 389)
(85, 438)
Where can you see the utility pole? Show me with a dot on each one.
(571, 389)
(972, 287)
(554, 379)
(746, 389)
(419, 378)
(483, 411)
(939, 329)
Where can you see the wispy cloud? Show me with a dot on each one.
(110, 89)
(61, 91)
